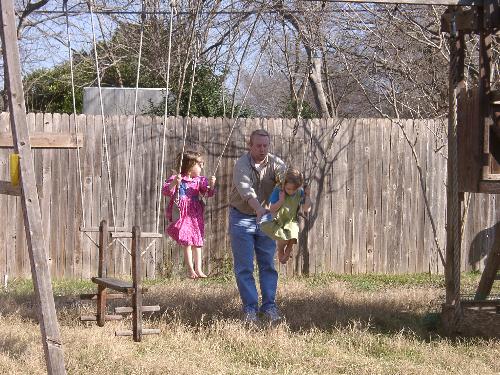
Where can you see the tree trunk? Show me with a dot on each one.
(316, 82)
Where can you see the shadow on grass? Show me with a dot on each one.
(200, 303)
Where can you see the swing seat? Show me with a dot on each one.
(116, 284)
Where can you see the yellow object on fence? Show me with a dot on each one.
(14, 169)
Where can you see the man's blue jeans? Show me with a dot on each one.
(247, 239)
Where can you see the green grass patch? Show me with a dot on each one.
(60, 287)
(372, 282)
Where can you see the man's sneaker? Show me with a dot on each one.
(272, 316)
(250, 318)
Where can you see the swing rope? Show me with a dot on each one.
(134, 122)
(78, 154)
(105, 139)
(165, 114)
(196, 53)
(241, 105)
(184, 126)
(70, 53)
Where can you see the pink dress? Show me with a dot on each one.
(190, 228)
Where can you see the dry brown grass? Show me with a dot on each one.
(332, 327)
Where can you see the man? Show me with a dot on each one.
(254, 176)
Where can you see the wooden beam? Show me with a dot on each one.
(495, 96)
(46, 140)
(102, 273)
(453, 203)
(466, 20)
(491, 14)
(7, 188)
(129, 309)
(95, 318)
(415, 2)
(97, 229)
(490, 270)
(40, 273)
(145, 331)
(485, 303)
(115, 284)
(136, 280)
(129, 235)
(490, 186)
(95, 296)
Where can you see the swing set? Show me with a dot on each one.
(108, 234)
(481, 17)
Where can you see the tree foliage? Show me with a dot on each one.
(49, 90)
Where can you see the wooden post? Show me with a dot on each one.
(102, 272)
(490, 270)
(137, 284)
(485, 120)
(49, 327)
(453, 235)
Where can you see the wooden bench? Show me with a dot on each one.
(132, 288)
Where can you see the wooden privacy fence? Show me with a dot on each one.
(369, 210)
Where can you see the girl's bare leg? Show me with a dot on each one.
(198, 262)
(188, 259)
(281, 250)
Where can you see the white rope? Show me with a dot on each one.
(147, 247)
(124, 246)
(165, 117)
(184, 126)
(241, 106)
(129, 169)
(70, 53)
(106, 152)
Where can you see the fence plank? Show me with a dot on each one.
(371, 216)
(80, 125)
(339, 176)
(373, 165)
(386, 196)
(406, 207)
(88, 181)
(67, 250)
(349, 223)
(46, 204)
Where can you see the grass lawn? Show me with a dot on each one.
(335, 324)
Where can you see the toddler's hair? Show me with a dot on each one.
(293, 176)
(189, 160)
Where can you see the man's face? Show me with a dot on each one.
(259, 147)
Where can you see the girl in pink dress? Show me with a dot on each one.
(187, 227)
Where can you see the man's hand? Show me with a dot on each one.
(260, 212)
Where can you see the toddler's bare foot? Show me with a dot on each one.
(200, 274)
(192, 275)
(281, 254)
(287, 253)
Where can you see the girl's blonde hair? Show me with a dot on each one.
(189, 160)
(293, 176)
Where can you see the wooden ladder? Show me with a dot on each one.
(22, 143)
(133, 289)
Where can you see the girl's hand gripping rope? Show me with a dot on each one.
(211, 182)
